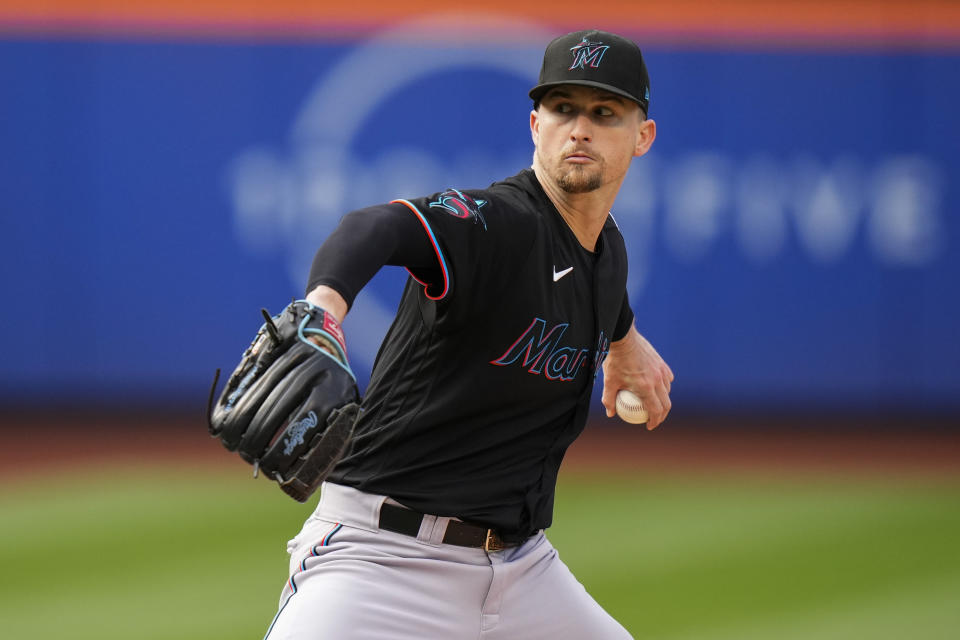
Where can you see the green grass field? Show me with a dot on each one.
(181, 553)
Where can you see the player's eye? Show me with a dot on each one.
(603, 111)
(564, 107)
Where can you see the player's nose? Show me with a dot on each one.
(582, 129)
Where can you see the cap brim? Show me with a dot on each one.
(538, 91)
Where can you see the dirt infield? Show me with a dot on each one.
(62, 441)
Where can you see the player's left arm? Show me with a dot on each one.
(363, 242)
(634, 364)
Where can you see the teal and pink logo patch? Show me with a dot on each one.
(460, 205)
(587, 54)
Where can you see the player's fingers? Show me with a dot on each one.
(609, 400)
(654, 418)
(659, 407)
(665, 405)
(666, 374)
(611, 411)
(652, 404)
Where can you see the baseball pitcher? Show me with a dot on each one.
(437, 486)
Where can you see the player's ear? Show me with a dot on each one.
(534, 126)
(646, 134)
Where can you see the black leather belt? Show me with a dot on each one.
(461, 534)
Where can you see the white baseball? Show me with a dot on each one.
(630, 408)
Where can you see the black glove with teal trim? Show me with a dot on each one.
(290, 406)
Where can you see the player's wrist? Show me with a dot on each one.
(321, 329)
(330, 300)
(628, 343)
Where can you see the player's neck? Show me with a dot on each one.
(584, 213)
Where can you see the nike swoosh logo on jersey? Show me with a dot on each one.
(559, 274)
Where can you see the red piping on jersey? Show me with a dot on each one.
(436, 248)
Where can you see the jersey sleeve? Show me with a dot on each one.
(366, 240)
(625, 320)
(476, 237)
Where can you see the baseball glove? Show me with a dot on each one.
(290, 405)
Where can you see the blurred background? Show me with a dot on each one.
(167, 168)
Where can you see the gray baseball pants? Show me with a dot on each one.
(350, 580)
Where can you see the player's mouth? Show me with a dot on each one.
(578, 157)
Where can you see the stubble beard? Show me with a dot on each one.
(576, 178)
(579, 179)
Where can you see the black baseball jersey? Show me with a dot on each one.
(485, 377)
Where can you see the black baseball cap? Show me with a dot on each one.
(595, 59)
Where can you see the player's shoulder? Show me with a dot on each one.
(510, 206)
(521, 192)
(508, 213)
(612, 236)
(611, 229)
(517, 202)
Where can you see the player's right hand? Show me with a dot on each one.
(632, 363)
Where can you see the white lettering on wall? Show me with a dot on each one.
(683, 206)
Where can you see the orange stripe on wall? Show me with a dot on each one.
(878, 22)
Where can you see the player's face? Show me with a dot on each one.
(585, 137)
